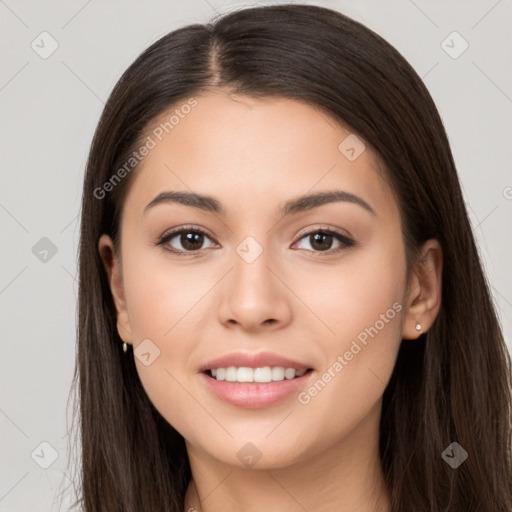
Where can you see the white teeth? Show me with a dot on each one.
(278, 373)
(231, 374)
(289, 373)
(244, 374)
(264, 374)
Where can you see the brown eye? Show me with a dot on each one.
(191, 241)
(322, 240)
(185, 240)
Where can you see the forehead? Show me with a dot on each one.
(247, 150)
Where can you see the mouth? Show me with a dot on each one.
(254, 381)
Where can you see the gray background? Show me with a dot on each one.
(49, 108)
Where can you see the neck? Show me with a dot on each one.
(346, 477)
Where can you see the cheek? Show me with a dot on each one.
(166, 305)
(353, 294)
(361, 304)
(160, 293)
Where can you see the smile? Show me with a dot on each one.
(254, 381)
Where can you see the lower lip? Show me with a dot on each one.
(254, 395)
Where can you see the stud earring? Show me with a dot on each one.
(418, 327)
(125, 347)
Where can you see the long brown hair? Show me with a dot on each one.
(451, 385)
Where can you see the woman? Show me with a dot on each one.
(281, 303)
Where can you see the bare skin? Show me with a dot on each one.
(295, 300)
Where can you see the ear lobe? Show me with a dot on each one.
(114, 274)
(425, 291)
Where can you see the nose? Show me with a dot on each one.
(253, 296)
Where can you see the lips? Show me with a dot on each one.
(253, 381)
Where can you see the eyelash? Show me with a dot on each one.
(342, 238)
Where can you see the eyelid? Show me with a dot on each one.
(324, 227)
(187, 227)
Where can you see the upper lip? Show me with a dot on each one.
(259, 360)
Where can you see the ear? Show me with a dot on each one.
(424, 293)
(114, 272)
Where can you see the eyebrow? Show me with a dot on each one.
(291, 207)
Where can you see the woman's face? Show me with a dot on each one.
(277, 282)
